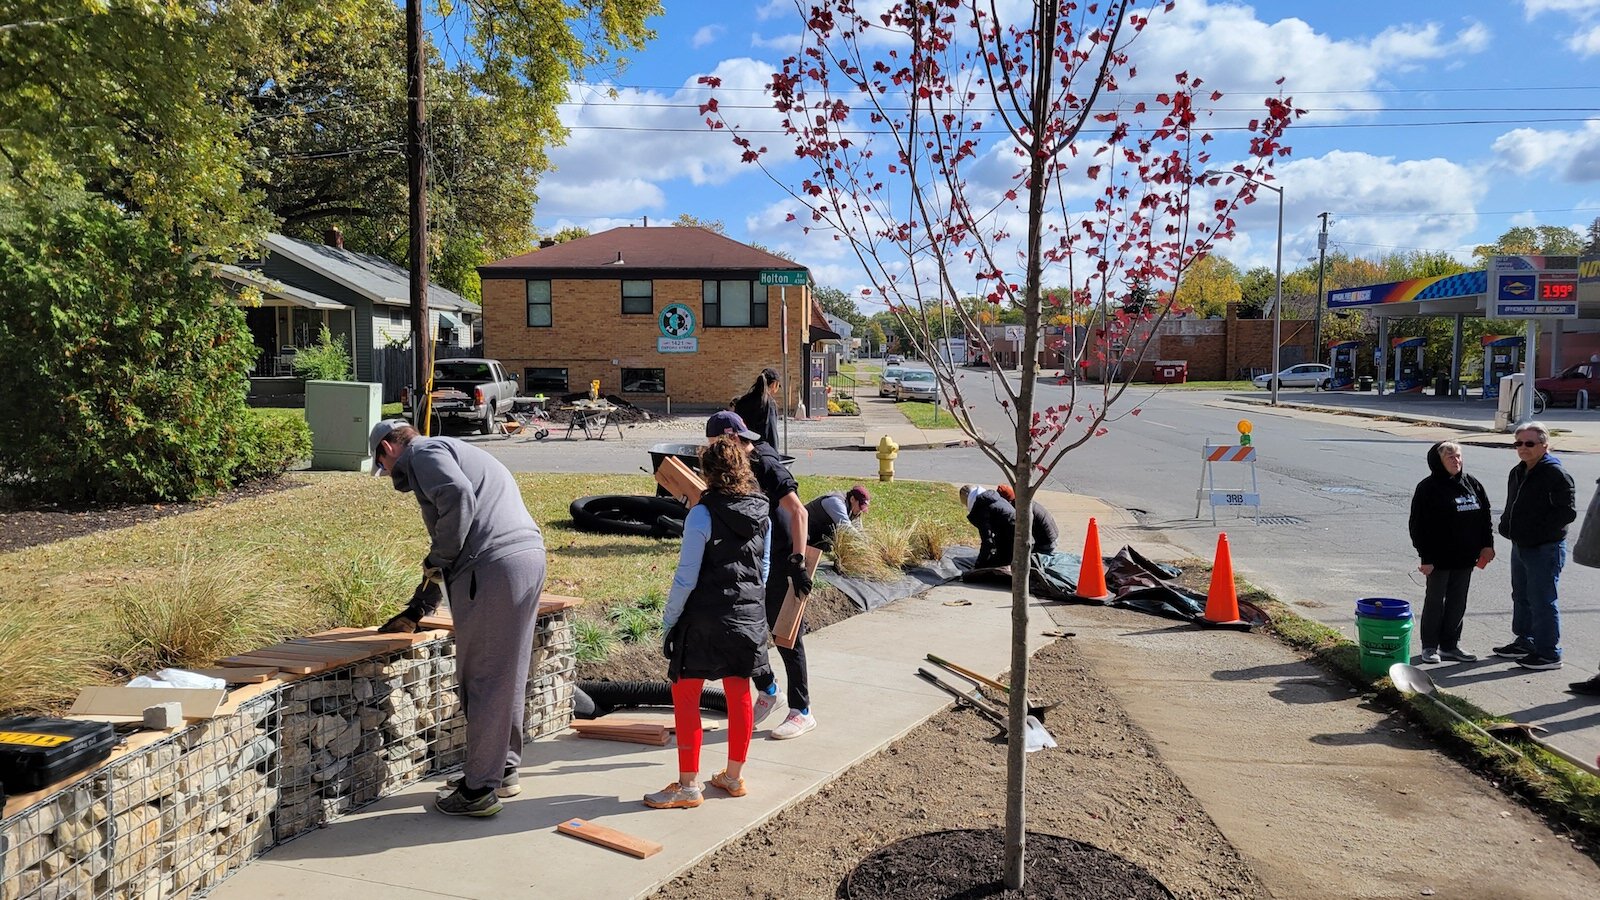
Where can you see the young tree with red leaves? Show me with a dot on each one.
(948, 147)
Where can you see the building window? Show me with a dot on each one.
(733, 304)
(644, 381)
(638, 298)
(540, 380)
(539, 305)
(398, 315)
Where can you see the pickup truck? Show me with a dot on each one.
(477, 390)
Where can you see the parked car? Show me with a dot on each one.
(477, 390)
(1563, 389)
(894, 359)
(1312, 375)
(891, 377)
(917, 384)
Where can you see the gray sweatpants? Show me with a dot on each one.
(495, 607)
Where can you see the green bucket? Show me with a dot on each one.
(1384, 626)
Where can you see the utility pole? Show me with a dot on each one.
(417, 169)
(1322, 259)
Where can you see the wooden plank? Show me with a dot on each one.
(131, 701)
(610, 722)
(251, 675)
(337, 654)
(289, 666)
(787, 628)
(439, 621)
(367, 641)
(609, 837)
(680, 481)
(651, 740)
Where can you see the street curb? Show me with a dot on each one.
(1339, 411)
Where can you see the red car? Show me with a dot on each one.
(1563, 389)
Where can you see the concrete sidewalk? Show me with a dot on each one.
(865, 695)
(879, 418)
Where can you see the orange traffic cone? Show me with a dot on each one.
(1222, 601)
(1092, 574)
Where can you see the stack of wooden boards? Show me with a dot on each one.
(608, 729)
(680, 481)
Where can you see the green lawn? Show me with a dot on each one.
(926, 415)
(1207, 386)
(305, 557)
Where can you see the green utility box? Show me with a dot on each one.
(341, 415)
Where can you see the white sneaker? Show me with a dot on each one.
(796, 724)
(764, 705)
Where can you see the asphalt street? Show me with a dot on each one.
(1335, 493)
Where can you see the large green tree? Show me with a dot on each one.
(836, 302)
(1542, 240)
(1208, 286)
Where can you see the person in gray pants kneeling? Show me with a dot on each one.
(489, 553)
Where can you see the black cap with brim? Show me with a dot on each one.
(379, 432)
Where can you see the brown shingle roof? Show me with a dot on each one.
(640, 249)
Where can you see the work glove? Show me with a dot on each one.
(424, 600)
(798, 576)
(669, 643)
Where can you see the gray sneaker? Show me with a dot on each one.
(1456, 654)
(675, 796)
(1430, 654)
(510, 784)
(764, 704)
(456, 804)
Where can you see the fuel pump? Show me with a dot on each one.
(1408, 373)
(1502, 356)
(1342, 356)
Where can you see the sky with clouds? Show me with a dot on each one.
(1428, 126)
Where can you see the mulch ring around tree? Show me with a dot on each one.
(966, 863)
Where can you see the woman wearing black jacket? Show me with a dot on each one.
(758, 407)
(1452, 530)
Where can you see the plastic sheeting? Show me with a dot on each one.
(869, 595)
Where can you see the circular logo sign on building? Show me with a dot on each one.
(677, 321)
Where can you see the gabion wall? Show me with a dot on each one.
(171, 820)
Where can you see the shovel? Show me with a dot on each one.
(1035, 708)
(1416, 681)
(1531, 733)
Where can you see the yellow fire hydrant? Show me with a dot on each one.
(887, 451)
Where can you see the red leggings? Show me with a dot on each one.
(686, 716)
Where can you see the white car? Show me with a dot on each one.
(1311, 375)
(917, 384)
(891, 378)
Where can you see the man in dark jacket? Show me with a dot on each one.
(1452, 531)
(1540, 503)
(996, 521)
(830, 512)
(1045, 532)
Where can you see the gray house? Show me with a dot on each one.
(361, 298)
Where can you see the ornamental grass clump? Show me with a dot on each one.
(364, 590)
(193, 614)
(928, 539)
(47, 654)
(895, 545)
(858, 555)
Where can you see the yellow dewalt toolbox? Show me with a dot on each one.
(38, 751)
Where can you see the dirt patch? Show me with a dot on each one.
(956, 864)
(1104, 785)
(26, 523)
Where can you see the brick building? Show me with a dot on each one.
(659, 316)
(1216, 349)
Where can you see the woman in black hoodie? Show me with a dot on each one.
(1452, 530)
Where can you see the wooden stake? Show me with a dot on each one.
(787, 629)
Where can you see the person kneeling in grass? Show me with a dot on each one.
(716, 619)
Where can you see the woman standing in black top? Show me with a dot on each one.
(758, 407)
(1451, 529)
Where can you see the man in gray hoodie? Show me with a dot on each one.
(488, 552)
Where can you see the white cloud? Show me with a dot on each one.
(775, 8)
(1379, 204)
(1236, 52)
(1569, 155)
(784, 43)
(1524, 219)
(1575, 7)
(706, 35)
(623, 149)
(1585, 42)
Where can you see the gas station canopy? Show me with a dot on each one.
(1468, 293)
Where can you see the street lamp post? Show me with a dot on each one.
(1277, 303)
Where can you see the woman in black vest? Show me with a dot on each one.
(716, 617)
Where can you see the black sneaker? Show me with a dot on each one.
(1590, 688)
(1517, 649)
(457, 804)
(1536, 661)
(510, 784)
(1456, 654)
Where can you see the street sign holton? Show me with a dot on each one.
(1533, 287)
(783, 277)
